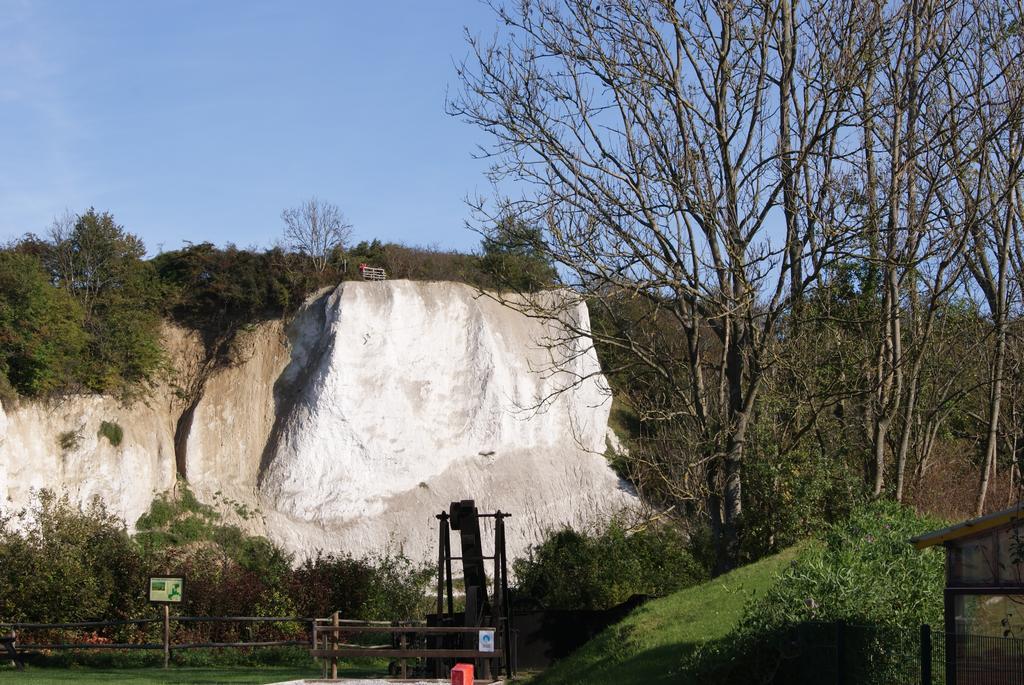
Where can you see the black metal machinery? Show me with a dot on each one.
(486, 603)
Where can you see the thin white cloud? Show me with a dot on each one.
(36, 121)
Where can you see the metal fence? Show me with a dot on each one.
(840, 654)
(977, 660)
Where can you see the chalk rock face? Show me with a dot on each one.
(3, 462)
(427, 392)
(58, 445)
(350, 427)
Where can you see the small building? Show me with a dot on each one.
(984, 596)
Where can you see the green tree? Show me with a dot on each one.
(101, 265)
(513, 256)
(41, 335)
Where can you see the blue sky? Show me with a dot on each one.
(194, 121)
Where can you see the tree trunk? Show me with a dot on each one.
(995, 400)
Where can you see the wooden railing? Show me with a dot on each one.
(324, 637)
(373, 273)
(166, 644)
(327, 644)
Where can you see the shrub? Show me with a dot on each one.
(574, 570)
(219, 291)
(791, 496)
(112, 432)
(60, 563)
(173, 522)
(864, 571)
(864, 574)
(69, 440)
(380, 587)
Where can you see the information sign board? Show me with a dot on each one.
(163, 589)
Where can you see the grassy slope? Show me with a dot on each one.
(649, 645)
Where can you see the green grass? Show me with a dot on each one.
(651, 644)
(177, 675)
(146, 676)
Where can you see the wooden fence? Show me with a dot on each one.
(327, 644)
(165, 644)
(325, 638)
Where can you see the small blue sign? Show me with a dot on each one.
(486, 641)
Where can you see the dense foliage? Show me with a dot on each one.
(59, 563)
(380, 587)
(514, 259)
(101, 265)
(41, 333)
(861, 573)
(81, 309)
(508, 261)
(598, 570)
(218, 291)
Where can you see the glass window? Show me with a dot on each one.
(973, 561)
(1011, 555)
(990, 615)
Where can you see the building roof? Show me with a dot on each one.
(969, 528)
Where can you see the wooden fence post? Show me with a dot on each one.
(327, 662)
(405, 665)
(167, 636)
(334, 645)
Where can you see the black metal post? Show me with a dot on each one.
(950, 636)
(502, 572)
(840, 653)
(448, 564)
(926, 654)
(442, 521)
(499, 596)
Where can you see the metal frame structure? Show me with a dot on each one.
(482, 608)
(406, 643)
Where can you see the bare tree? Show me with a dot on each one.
(316, 228)
(661, 142)
(911, 255)
(983, 197)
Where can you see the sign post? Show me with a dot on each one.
(486, 641)
(167, 635)
(166, 590)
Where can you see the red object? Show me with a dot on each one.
(462, 674)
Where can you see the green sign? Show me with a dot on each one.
(166, 589)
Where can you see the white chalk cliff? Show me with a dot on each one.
(351, 426)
